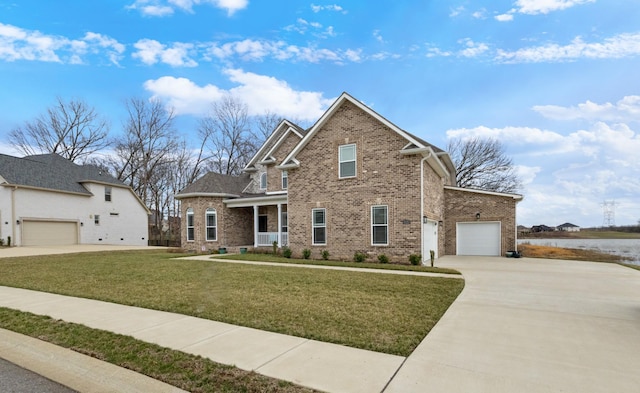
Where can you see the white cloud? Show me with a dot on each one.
(376, 34)
(534, 7)
(260, 92)
(159, 8)
(619, 46)
(258, 50)
(472, 49)
(184, 96)
(456, 11)
(31, 45)
(508, 17)
(333, 7)
(480, 14)
(565, 177)
(625, 110)
(151, 51)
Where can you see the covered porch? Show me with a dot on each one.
(270, 222)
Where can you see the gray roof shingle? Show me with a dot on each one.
(216, 183)
(53, 172)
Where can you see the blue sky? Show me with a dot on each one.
(555, 80)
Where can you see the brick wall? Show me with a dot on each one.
(234, 226)
(462, 206)
(274, 176)
(383, 177)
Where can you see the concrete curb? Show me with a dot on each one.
(74, 370)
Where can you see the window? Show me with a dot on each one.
(96, 219)
(285, 180)
(263, 181)
(190, 226)
(285, 222)
(319, 226)
(379, 225)
(347, 160)
(263, 223)
(107, 194)
(211, 221)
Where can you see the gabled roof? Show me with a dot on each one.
(568, 225)
(216, 184)
(264, 154)
(415, 145)
(52, 172)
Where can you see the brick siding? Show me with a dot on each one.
(462, 206)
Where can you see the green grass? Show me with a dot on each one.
(188, 372)
(364, 265)
(380, 312)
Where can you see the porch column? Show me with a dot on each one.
(280, 225)
(255, 225)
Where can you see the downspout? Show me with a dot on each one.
(13, 215)
(422, 162)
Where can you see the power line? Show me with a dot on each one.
(609, 213)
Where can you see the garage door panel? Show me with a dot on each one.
(478, 238)
(49, 233)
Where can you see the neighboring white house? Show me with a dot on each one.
(568, 227)
(48, 200)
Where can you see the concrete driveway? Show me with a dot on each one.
(66, 249)
(532, 325)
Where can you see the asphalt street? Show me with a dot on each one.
(15, 379)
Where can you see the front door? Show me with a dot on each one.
(429, 239)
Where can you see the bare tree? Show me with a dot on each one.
(483, 164)
(145, 147)
(266, 123)
(228, 135)
(71, 129)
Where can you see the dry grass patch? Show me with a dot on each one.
(380, 312)
(535, 251)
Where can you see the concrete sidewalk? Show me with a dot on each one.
(532, 325)
(323, 366)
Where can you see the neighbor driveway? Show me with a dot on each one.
(66, 249)
(532, 325)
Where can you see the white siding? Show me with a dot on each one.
(123, 221)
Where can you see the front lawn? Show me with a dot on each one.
(380, 312)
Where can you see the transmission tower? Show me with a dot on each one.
(609, 213)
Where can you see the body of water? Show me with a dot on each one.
(629, 248)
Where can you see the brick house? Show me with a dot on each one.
(352, 182)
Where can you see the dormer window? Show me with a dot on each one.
(263, 181)
(347, 160)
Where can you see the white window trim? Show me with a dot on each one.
(285, 222)
(355, 161)
(314, 226)
(380, 225)
(108, 193)
(206, 224)
(285, 180)
(96, 219)
(263, 175)
(190, 213)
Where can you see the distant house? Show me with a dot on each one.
(542, 228)
(48, 200)
(354, 182)
(523, 230)
(568, 227)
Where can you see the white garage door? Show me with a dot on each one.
(49, 233)
(478, 238)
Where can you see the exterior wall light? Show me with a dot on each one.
(477, 215)
(424, 219)
(17, 222)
